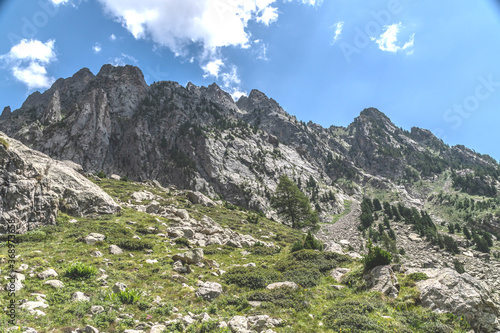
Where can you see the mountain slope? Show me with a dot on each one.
(198, 138)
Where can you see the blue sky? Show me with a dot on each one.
(431, 64)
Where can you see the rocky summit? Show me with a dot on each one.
(163, 208)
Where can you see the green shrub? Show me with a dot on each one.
(459, 267)
(104, 319)
(146, 231)
(450, 244)
(297, 246)
(182, 241)
(238, 303)
(32, 236)
(134, 244)
(306, 278)
(127, 296)
(254, 219)
(208, 326)
(101, 174)
(4, 143)
(264, 251)
(376, 257)
(418, 276)
(163, 310)
(251, 277)
(312, 243)
(352, 315)
(285, 298)
(80, 271)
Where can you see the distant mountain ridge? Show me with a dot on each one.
(199, 138)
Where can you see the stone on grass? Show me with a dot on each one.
(115, 249)
(79, 297)
(55, 284)
(278, 285)
(47, 274)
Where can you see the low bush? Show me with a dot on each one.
(32, 236)
(376, 257)
(285, 298)
(251, 277)
(127, 296)
(264, 251)
(238, 303)
(80, 271)
(310, 259)
(163, 310)
(4, 143)
(309, 243)
(306, 278)
(352, 315)
(134, 244)
(459, 267)
(182, 241)
(418, 276)
(146, 231)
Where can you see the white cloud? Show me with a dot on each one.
(387, 41)
(177, 24)
(212, 68)
(123, 59)
(97, 48)
(33, 50)
(310, 2)
(28, 61)
(34, 75)
(339, 26)
(268, 15)
(231, 79)
(112, 37)
(236, 94)
(59, 2)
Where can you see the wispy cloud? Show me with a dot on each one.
(212, 68)
(28, 61)
(123, 60)
(97, 48)
(388, 40)
(112, 37)
(339, 26)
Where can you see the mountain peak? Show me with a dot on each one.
(373, 113)
(122, 73)
(5, 113)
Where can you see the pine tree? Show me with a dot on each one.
(467, 233)
(376, 205)
(290, 202)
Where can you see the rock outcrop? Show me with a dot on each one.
(461, 294)
(34, 187)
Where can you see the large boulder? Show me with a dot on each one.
(199, 198)
(384, 280)
(209, 290)
(286, 284)
(34, 187)
(461, 294)
(193, 256)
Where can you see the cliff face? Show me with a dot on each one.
(198, 138)
(34, 188)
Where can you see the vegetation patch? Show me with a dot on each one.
(80, 271)
(251, 277)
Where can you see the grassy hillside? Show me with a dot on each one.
(318, 305)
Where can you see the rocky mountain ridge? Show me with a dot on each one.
(180, 158)
(199, 138)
